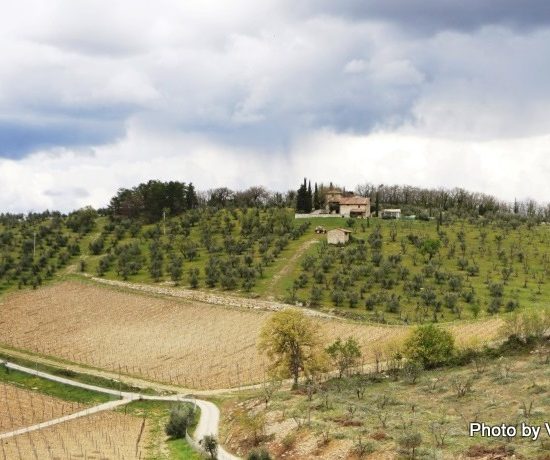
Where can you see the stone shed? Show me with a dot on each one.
(338, 236)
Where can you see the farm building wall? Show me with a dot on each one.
(346, 209)
(337, 237)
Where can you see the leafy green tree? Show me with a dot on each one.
(96, 246)
(338, 296)
(344, 355)
(292, 342)
(155, 266)
(212, 272)
(353, 299)
(409, 443)
(393, 305)
(104, 264)
(210, 444)
(130, 260)
(309, 198)
(82, 221)
(191, 197)
(194, 278)
(429, 345)
(176, 269)
(430, 247)
(316, 295)
(180, 419)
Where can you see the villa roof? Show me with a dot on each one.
(353, 200)
(345, 230)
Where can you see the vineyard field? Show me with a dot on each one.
(106, 435)
(194, 345)
(20, 408)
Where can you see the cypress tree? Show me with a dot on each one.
(191, 197)
(301, 198)
(309, 198)
(316, 200)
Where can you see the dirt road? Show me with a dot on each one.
(208, 422)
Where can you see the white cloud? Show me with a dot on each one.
(56, 180)
(264, 93)
(356, 66)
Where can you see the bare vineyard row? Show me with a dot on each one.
(20, 408)
(106, 435)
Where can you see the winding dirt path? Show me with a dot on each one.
(208, 423)
(288, 266)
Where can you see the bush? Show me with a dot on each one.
(411, 371)
(409, 443)
(96, 246)
(527, 325)
(430, 346)
(338, 297)
(260, 454)
(362, 448)
(210, 444)
(180, 418)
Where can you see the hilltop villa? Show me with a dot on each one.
(347, 204)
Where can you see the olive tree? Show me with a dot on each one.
(292, 342)
(344, 355)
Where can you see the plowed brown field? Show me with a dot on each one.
(192, 344)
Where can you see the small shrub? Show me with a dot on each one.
(260, 454)
(411, 371)
(409, 442)
(288, 441)
(362, 448)
(210, 445)
(462, 386)
(180, 418)
(430, 346)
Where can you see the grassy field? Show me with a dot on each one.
(377, 413)
(158, 446)
(388, 274)
(398, 271)
(237, 246)
(62, 371)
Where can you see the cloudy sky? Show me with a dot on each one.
(97, 95)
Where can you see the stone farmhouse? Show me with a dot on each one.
(347, 204)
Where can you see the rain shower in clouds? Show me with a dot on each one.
(97, 95)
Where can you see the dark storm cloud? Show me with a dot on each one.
(263, 74)
(170, 88)
(429, 16)
(18, 139)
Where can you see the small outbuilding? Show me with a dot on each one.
(338, 236)
(391, 214)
